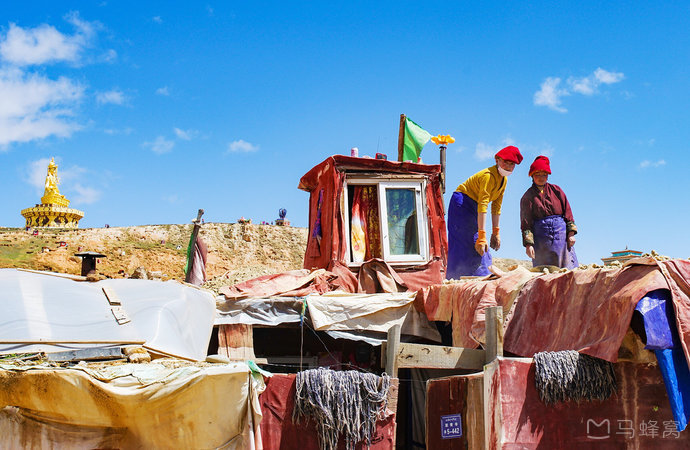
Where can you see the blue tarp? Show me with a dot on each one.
(655, 311)
(463, 259)
(550, 244)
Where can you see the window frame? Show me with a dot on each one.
(382, 183)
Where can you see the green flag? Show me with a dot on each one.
(415, 138)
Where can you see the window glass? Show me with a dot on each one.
(403, 234)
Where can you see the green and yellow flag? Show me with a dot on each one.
(415, 138)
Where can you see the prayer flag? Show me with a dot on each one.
(415, 138)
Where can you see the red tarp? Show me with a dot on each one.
(331, 246)
(637, 416)
(280, 433)
(584, 310)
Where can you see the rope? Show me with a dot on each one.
(569, 375)
(341, 402)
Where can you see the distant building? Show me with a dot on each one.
(622, 256)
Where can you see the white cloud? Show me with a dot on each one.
(646, 163)
(86, 195)
(606, 77)
(550, 94)
(35, 107)
(160, 145)
(36, 173)
(109, 56)
(547, 151)
(163, 91)
(187, 135)
(483, 151)
(113, 131)
(242, 146)
(115, 97)
(45, 44)
(209, 10)
(157, 19)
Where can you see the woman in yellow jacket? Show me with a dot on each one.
(468, 252)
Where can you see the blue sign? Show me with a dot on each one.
(451, 426)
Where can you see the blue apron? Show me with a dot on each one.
(463, 259)
(550, 246)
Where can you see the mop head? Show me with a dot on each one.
(347, 403)
(569, 375)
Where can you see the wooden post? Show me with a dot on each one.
(443, 168)
(401, 137)
(392, 351)
(195, 232)
(494, 332)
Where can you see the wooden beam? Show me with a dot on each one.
(391, 351)
(442, 157)
(401, 137)
(439, 357)
(494, 332)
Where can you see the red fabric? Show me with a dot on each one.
(464, 303)
(527, 423)
(278, 432)
(329, 175)
(541, 163)
(584, 310)
(539, 202)
(294, 283)
(510, 153)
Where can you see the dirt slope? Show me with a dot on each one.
(237, 252)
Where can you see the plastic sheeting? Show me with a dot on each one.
(359, 317)
(41, 309)
(153, 405)
(655, 313)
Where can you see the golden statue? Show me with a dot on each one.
(54, 209)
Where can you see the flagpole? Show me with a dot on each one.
(401, 137)
(195, 232)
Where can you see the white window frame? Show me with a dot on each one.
(382, 183)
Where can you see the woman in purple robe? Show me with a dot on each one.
(548, 228)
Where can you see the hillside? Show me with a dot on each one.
(237, 252)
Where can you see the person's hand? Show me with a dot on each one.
(480, 245)
(495, 239)
(530, 251)
(571, 240)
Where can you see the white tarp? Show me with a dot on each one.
(41, 312)
(340, 311)
(158, 405)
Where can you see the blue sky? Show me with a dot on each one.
(155, 109)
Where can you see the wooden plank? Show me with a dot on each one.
(439, 357)
(236, 341)
(494, 332)
(392, 350)
(87, 354)
(392, 399)
(111, 295)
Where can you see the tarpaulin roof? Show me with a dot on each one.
(155, 405)
(585, 310)
(326, 180)
(47, 313)
(340, 314)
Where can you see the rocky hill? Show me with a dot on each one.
(237, 252)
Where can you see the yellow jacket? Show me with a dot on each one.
(483, 187)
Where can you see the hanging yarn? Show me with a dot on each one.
(341, 402)
(569, 375)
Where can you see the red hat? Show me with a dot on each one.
(541, 164)
(510, 153)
